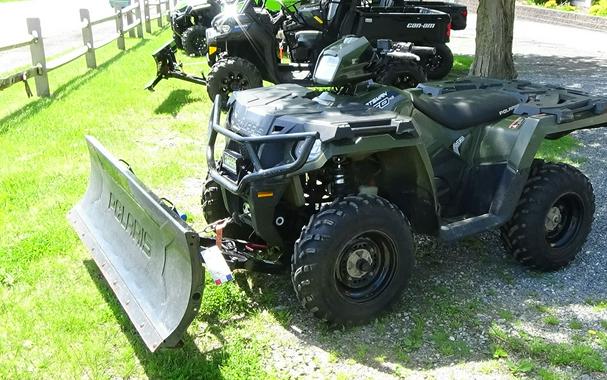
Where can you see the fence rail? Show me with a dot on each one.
(137, 15)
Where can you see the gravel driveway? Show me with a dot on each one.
(462, 294)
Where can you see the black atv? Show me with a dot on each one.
(189, 23)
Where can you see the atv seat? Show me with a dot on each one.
(467, 108)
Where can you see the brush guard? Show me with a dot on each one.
(152, 260)
(168, 67)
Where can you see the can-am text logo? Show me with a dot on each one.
(419, 25)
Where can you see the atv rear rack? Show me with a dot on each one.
(168, 67)
(250, 143)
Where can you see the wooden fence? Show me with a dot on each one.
(131, 20)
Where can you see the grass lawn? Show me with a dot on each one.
(58, 319)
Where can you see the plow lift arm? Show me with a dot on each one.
(168, 67)
(153, 260)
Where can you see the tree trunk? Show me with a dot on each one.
(494, 31)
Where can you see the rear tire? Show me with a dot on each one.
(440, 64)
(403, 75)
(232, 74)
(353, 259)
(213, 209)
(194, 40)
(553, 217)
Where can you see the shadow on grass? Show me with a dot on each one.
(176, 100)
(185, 361)
(63, 90)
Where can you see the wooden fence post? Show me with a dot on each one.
(140, 22)
(38, 57)
(171, 9)
(129, 22)
(159, 11)
(87, 38)
(146, 12)
(120, 39)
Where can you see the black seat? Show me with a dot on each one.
(467, 108)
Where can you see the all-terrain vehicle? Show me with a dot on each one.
(191, 19)
(189, 23)
(338, 181)
(396, 64)
(244, 49)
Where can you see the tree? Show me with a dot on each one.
(494, 32)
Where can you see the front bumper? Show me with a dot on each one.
(260, 189)
(251, 143)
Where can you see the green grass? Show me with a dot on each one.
(57, 318)
(578, 354)
(552, 320)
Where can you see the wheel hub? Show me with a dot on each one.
(553, 219)
(359, 263)
(234, 82)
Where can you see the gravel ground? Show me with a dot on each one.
(441, 328)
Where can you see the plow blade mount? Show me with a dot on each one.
(148, 255)
(168, 67)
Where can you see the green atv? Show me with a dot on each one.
(339, 181)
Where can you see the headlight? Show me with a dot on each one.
(314, 153)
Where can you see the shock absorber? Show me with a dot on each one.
(341, 176)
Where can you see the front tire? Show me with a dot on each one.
(440, 64)
(353, 259)
(194, 40)
(232, 74)
(553, 217)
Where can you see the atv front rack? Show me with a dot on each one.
(151, 259)
(168, 67)
(250, 143)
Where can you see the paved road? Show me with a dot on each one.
(551, 53)
(61, 28)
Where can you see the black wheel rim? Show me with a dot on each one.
(563, 220)
(405, 80)
(201, 45)
(434, 62)
(233, 82)
(365, 266)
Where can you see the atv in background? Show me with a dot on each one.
(189, 23)
(191, 19)
(339, 181)
(252, 43)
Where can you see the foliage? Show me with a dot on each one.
(599, 9)
(562, 5)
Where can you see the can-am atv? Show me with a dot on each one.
(338, 181)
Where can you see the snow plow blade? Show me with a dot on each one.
(148, 255)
